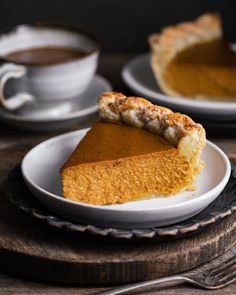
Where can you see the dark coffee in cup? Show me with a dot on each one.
(45, 55)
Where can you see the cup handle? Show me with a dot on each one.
(8, 71)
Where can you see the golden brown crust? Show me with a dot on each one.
(166, 45)
(138, 112)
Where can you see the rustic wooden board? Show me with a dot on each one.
(11, 285)
(32, 250)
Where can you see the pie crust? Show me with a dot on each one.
(178, 129)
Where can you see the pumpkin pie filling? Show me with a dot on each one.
(136, 150)
(207, 69)
(102, 141)
(140, 165)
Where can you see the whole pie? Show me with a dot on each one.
(191, 59)
(136, 150)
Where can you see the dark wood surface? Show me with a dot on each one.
(13, 145)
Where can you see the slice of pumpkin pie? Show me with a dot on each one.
(134, 151)
(192, 59)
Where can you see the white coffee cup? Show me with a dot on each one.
(52, 83)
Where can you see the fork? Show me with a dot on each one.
(214, 277)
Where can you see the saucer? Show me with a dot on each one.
(67, 114)
(41, 172)
(47, 110)
(138, 76)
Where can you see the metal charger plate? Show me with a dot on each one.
(223, 206)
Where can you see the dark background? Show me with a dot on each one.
(122, 25)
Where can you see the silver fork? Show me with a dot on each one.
(214, 277)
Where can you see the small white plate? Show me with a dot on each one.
(41, 166)
(83, 106)
(138, 76)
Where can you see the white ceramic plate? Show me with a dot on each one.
(138, 76)
(40, 168)
(83, 106)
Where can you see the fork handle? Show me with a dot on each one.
(130, 287)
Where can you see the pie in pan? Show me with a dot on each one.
(192, 59)
(135, 150)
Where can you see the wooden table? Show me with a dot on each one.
(110, 66)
